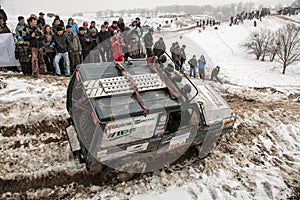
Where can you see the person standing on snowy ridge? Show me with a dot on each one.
(201, 65)
(193, 65)
(182, 57)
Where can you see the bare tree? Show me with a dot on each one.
(266, 37)
(288, 45)
(256, 43)
(272, 47)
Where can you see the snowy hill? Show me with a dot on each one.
(223, 47)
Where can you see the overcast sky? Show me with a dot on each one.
(15, 7)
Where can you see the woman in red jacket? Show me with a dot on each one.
(117, 44)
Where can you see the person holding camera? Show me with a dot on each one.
(117, 44)
(35, 37)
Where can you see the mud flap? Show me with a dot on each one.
(209, 143)
(73, 140)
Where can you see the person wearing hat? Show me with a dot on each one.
(114, 27)
(148, 40)
(85, 43)
(62, 47)
(105, 45)
(93, 25)
(214, 75)
(159, 47)
(41, 21)
(23, 55)
(76, 49)
(35, 37)
(3, 26)
(94, 56)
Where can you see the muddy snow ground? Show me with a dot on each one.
(258, 159)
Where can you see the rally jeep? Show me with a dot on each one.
(140, 115)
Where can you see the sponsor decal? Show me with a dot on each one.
(118, 134)
(178, 141)
(138, 147)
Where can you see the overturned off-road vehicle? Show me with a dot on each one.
(139, 115)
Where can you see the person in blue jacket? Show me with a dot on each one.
(201, 65)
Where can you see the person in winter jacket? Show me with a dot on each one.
(114, 27)
(93, 25)
(23, 55)
(118, 44)
(135, 33)
(75, 51)
(85, 43)
(182, 57)
(175, 50)
(50, 53)
(3, 26)
(21, 27)
(41, 21)
(73, 25)
(121, 24)
(201, 65)
(35, 37)
(193, 65)
(105, 44)
(159, 47)
(62, 46)
(214, 75)
(148, 40)
(94, 56)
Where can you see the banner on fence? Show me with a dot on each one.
(7, 51)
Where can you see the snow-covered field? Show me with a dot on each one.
(258, 159)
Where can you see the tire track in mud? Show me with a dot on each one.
(44, 126)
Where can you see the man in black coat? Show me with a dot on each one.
(41, 21)
(85, 43)
(105, 44)
(62, 46)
